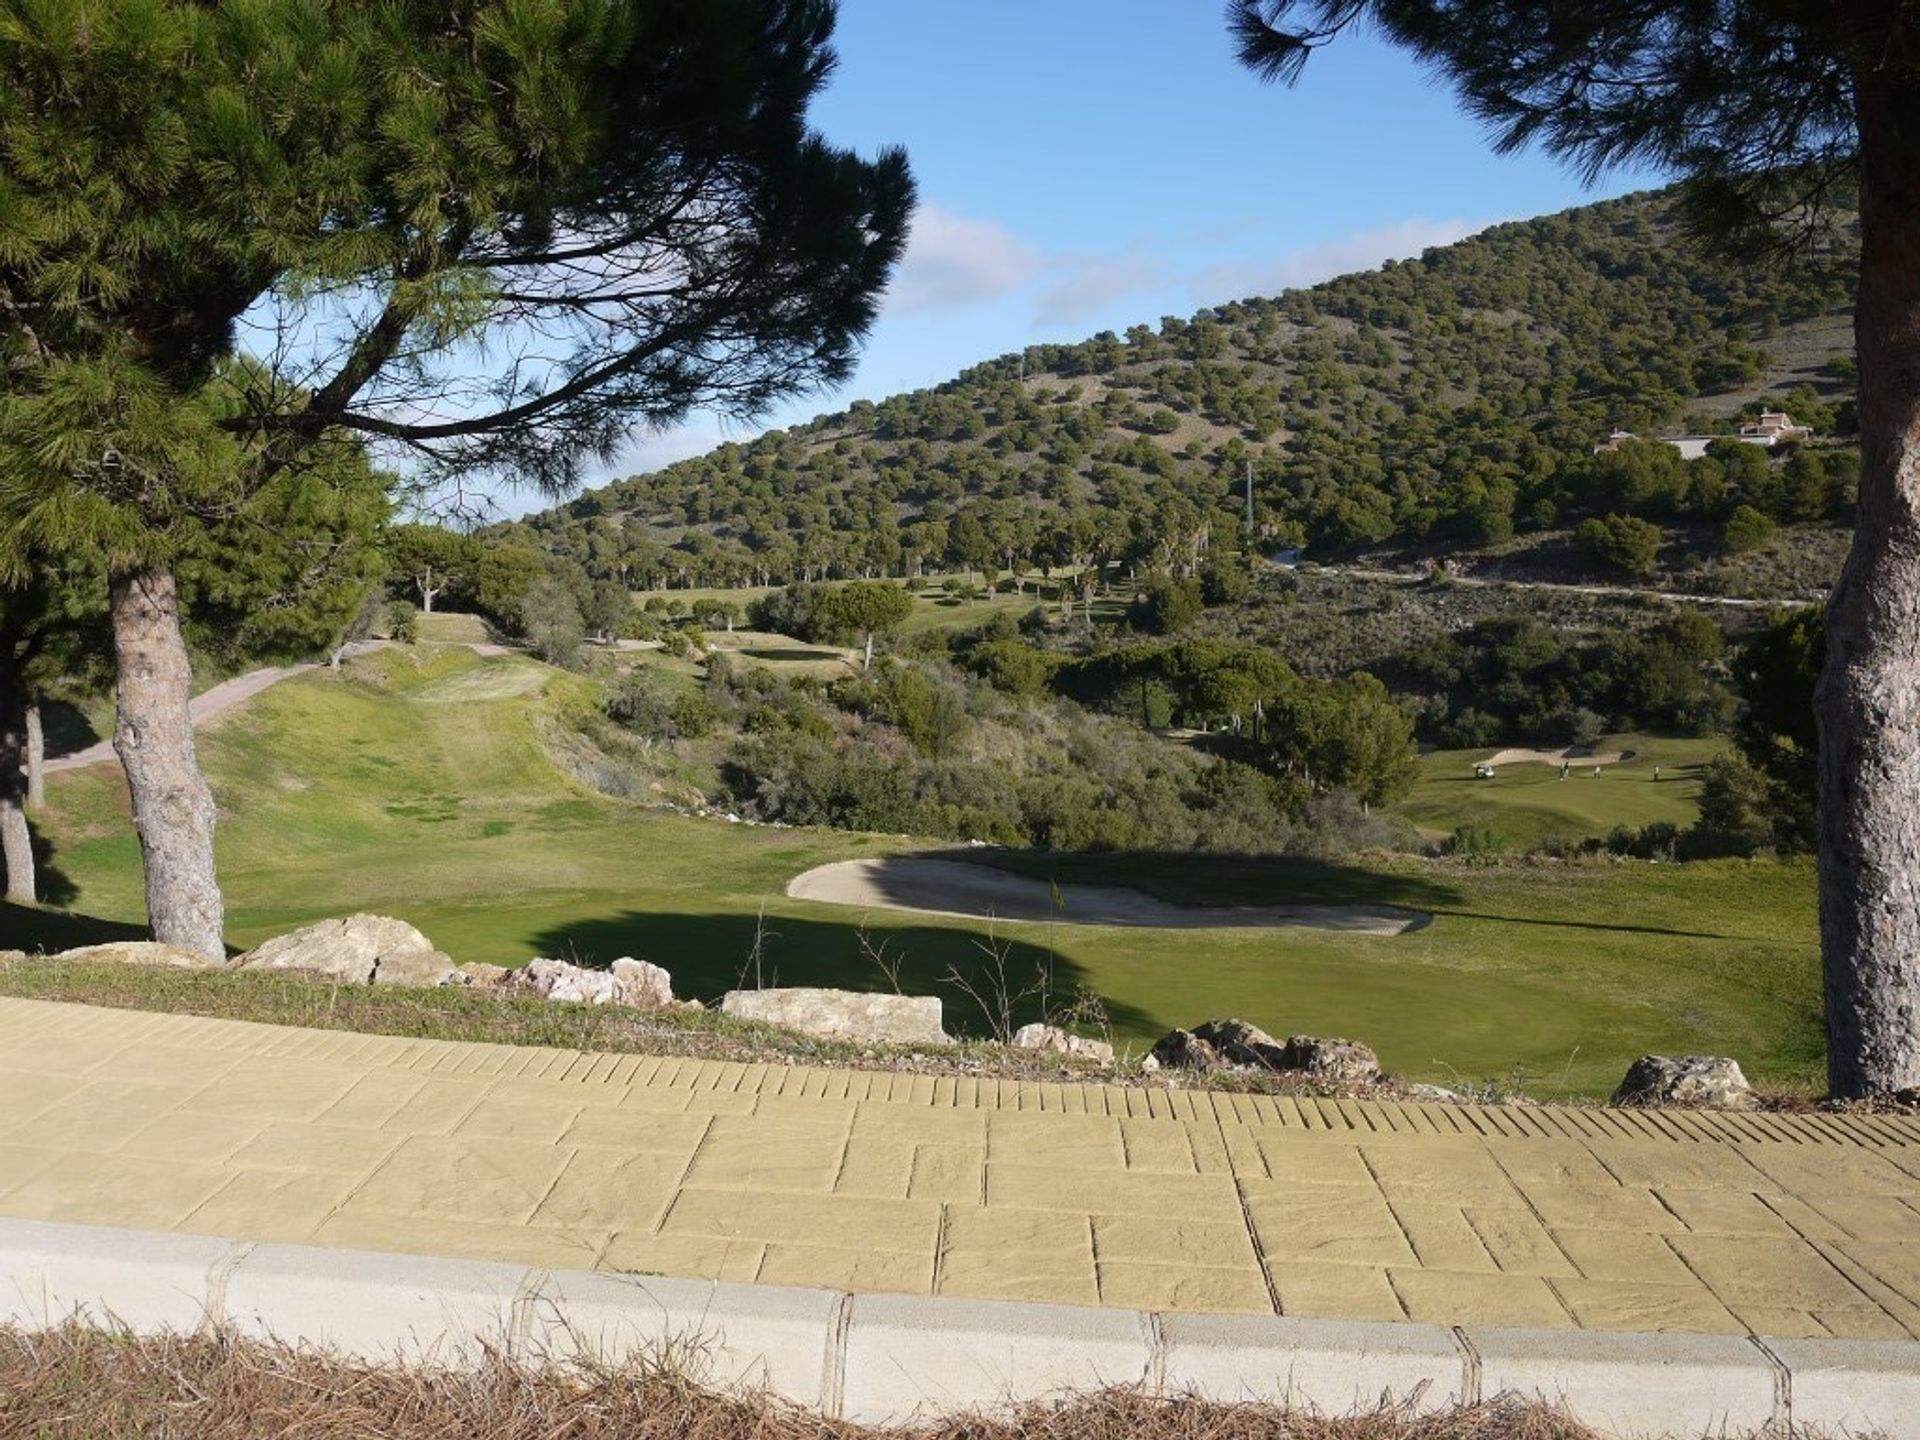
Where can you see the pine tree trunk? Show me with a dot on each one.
(173, 811)
(16, 840)
(1868, 698)
(36, 756)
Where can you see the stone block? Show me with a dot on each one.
(732, 1337)
(1331, 1367)
(145, 1280)
(1630, 1383)
(409, 1308)
(907, 1356)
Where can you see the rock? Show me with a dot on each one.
(1712, 1081)
(361, 950)
(1338, 1062)
(142, 952)
(483, 976)
(1182, 1050)
(1220, 1043)
(568, 983)
(626, 982)
(641, 984)
(1061, 1042)
(1242, 1044)
(843, 1014)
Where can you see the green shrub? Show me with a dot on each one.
(1476, 842)
(402, 621)
(1746, 529)
(1624, 542)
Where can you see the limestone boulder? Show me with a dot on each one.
(843, 1014)
(1182, 1050)
(142, 952)
(1710, 1081)
(568, 983)
(626, 982)
(1056, 1041)
(1336, 1062)
(1242, 1044)
(642, 984)
(359, 950)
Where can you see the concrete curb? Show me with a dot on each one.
(881, 1358)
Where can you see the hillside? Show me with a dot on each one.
(1447, 402)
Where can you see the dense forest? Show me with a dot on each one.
(1452, 400)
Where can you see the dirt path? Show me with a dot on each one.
(980, 892)
(1489, 582)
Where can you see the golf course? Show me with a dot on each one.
(418, 782)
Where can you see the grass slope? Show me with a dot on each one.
(418, 786)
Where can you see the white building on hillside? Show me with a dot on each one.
(1774, 427)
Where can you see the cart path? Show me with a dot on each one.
(1143, 1198)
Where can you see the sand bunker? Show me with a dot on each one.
(980, 892)
(1572, 755)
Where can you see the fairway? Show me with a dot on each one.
(363, 790)
(1529, 802)
(934, 608)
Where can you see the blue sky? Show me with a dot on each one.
(1089, 164)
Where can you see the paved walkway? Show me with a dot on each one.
(1148, 1199)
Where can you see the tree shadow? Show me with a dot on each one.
(791, 654)
(67, 728)
(31, 928)
(52, 883)
(711, 954)
(1188, 878)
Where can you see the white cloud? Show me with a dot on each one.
(953, 260)
(1095, 281)
(1362, 250)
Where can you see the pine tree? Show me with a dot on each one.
(490, 239)
(52, 624)
(1774, 112)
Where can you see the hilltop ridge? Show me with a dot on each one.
(1450, 399)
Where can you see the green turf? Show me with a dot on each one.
(933, 607)
(417, 787)
(452, 628)
(1529, 802)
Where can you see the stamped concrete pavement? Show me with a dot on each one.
(1149, 1199)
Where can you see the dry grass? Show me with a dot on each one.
(81, 1384)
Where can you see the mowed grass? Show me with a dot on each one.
(1530, 802)
(451, 627)
(933, 608)
(417, 786)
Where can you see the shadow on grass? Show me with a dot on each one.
(25, 927)
(794, 654)
(67, 728)
(1604, 926)
(50, 881)
(1182, 878)
(1187, 878)
(711, 954)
